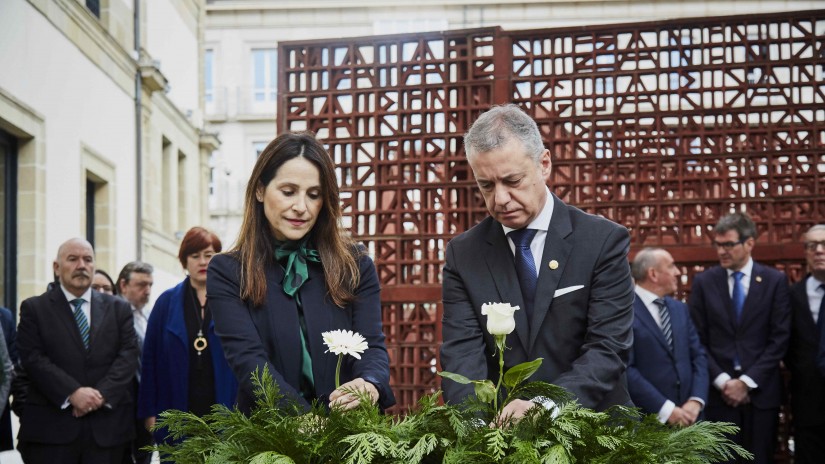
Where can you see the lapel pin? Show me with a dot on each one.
(553, 264)
(759, 278)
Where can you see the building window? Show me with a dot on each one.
(264, 74)
(208, 75)
(94, 7)
(8, 211)
(259, 148)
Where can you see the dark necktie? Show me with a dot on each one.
(738, 295)
(82, 322)
(525, 266)
(664, 315)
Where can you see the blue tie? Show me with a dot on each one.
(525, 266)
(664, 315)
(82, 323)
(738, 295)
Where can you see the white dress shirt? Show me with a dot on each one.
(541, 223)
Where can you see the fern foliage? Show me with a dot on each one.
(437, 433)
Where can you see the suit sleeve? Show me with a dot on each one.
(609, 336)
(115, 386)
(54, 382)
(151, 357)
(463, 349)
(767, 362)
(699, 363)
(643, 393)
(242, 344)
(374, 365)
(699, 314)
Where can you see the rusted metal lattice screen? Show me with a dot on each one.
(662, 127)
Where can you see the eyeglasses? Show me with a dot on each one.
(727, 245)
(813, 246)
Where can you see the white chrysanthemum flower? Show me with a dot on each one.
(345, 342)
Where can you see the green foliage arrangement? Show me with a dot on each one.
(438, 433)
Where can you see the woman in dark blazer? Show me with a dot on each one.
(182, 365)
(293, 274)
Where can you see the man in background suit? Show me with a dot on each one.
(134, 284)
(807, 382)
(79, 350)
(741, 312)
(668, 372)
(10, 334)
(566, 270)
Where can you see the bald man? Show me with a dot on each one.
(79, 349)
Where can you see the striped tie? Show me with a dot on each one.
(664, 314)
(82, 323)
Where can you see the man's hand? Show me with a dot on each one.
(692, 408)
(346, 395)
(735, 393)
(514, 411)
(679, 417)
(85, 400)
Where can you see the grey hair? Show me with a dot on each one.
(132, 267)
(816, 228)
(498, 126)
(645, 259)
(740, 222)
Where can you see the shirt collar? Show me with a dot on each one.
(747, 269)
(87, 295)
(542, 221)
(646, 295)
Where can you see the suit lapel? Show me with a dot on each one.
(803, 311)
(502, 267)
(755, 294)
(646, 320)
(556, 248)
(318, 319)
(723, 295)
(283, 314)
(98, 313)
(63, 313)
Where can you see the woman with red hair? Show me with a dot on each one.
(183, 366)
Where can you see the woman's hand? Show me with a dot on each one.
(347, 395)
(149, 422)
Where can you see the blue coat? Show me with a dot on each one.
(655, 373)
(164, 382)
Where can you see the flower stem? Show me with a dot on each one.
(338, 371)
(500, 345)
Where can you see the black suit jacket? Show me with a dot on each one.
(760, 338)
(57, 363)
(269, 335)
(584, 334)
(807, 383)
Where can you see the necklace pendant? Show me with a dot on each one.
(200, 343)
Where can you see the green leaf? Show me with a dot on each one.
(455, 377)
(556, 455)
(270, 457)
(521, 372)
(485, 390)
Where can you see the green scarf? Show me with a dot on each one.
(295, 269)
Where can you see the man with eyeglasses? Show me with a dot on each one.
(741, 312)
(807, 325)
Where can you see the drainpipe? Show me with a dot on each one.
(138, 135)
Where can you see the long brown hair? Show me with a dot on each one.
(339, 253)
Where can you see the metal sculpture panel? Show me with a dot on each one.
(662, 127)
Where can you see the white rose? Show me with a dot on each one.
(500, 320)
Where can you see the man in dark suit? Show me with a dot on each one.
(10, 333)
(668, 371)
(741, 312)
(565, 269)
(79, 350)
(807, 382)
